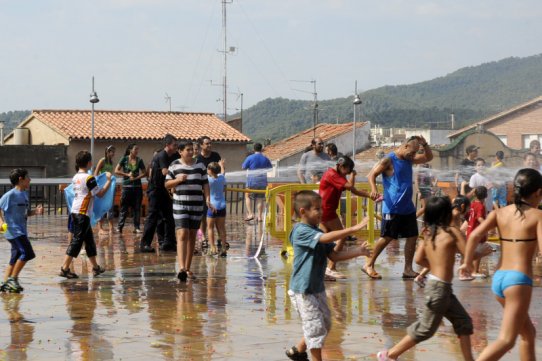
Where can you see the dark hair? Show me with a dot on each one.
(332, 148)
(499, 155)
(480, 193)
(108, 160)
(258, 147)
(129, 149)
(181, 144)
(214, 167)
(169, 139)
(346, 162)
(438, 213)
(459, 201)
(317, 173)
(304, 199)
(479, 160)
(82, 158)
(313, 141)
(412, 138)
(17, 173)
(526, 182)
(202, 139)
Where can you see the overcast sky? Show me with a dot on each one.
(139, 50)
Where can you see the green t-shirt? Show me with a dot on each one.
(310, 259)
(135, 169)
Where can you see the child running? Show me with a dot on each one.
(477, 214)
(333, 183)
(437, 252)
(189, 179)
(85, 189)
(312, 247)
(216, 214)
(15, 206)
(520, 227)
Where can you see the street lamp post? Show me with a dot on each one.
(356, 101)
(1, 133)
(93, 100)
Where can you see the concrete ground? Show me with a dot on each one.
(236, 309)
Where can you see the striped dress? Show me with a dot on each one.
(188, 199)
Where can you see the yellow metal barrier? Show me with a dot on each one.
(280, 211)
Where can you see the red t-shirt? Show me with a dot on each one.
(331, 187)
(477, 210)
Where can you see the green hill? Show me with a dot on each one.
(12, 119)
(470, 93)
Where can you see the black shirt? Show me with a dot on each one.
(467, 169)
(214, 157)
(160, 161)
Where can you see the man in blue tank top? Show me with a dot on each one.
(398, 210)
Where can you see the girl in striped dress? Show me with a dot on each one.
(189, 179)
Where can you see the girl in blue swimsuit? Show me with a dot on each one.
(520, 227)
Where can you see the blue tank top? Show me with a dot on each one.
(398, 187)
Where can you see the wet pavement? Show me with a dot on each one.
(236, 309)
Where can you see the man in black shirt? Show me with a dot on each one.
(206, 156)
(466, 170)
(160, 206)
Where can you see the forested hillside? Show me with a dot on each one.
(11, 119)
(470, 93)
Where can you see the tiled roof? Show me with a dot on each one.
(147, 125)
(298, 142)
(497, 116)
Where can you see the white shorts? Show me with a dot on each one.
(315, 316)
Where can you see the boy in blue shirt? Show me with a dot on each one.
(14, 206)
(216, 213)
(312, 248)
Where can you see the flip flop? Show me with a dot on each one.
(373, 275)
(248, 219)
(410, 277)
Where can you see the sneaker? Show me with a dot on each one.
(98, 270)
(335, 274)
(383, 356)
(182, 276)
(67, 273)
(12, 285)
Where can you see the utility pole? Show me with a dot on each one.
(314, 105)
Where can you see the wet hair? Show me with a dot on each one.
(332, 148)
(438, 213)
(202, 139)
(214, 167)
(108, 160)
(129, 149)
(258, 147)
(459, 201)
(526, 182)
(480, 193)
(82, 158)
(499, 155)
(181, 144)
(411, 139)
(346, 162)
(169, 139)
(17, 173)
(304, 199)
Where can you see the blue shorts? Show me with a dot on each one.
(502, 279)
(219, 213)
(21, 249)
(499, 196)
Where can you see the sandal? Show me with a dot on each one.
(294, 354)
(67, 273)
(372, 275)
(248, 219)
(410, 277)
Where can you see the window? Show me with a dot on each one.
(503, 139)
(528, 138)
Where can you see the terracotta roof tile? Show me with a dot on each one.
(298, 142)
(149, 125)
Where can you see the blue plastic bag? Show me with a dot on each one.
(101, 205)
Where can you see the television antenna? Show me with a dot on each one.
(315, 103)
(168, 100)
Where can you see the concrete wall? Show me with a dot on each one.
(40, 160)
(234, 153)
(344, 141)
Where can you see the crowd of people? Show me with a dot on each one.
(186, 192)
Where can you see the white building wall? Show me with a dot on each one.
(433, 136)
